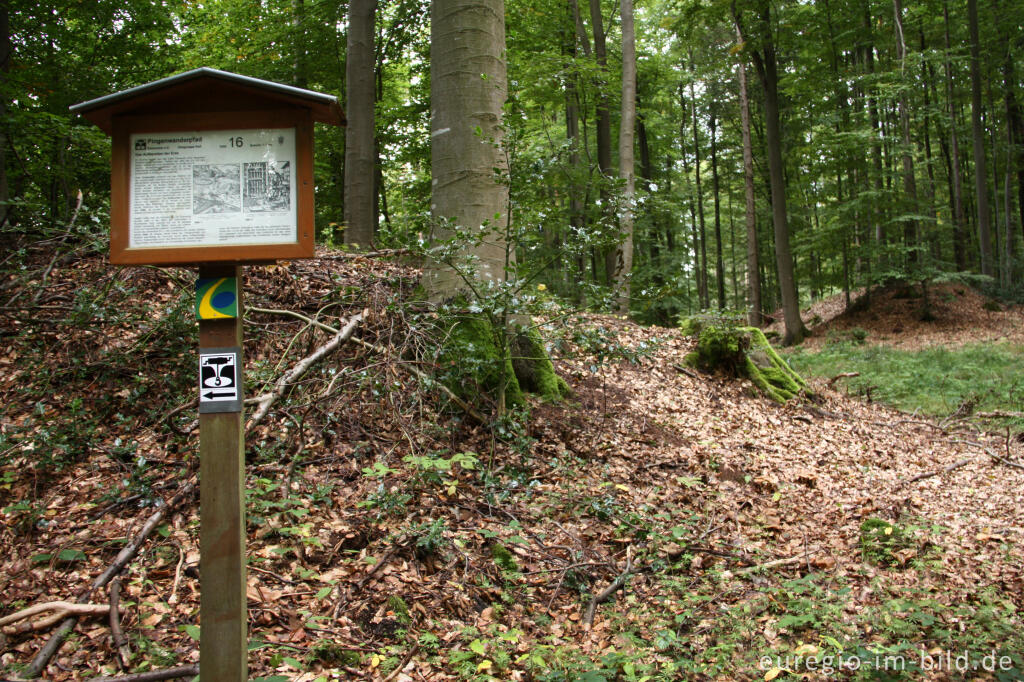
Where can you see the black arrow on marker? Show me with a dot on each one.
(210, 395)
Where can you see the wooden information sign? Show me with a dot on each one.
(214, 169)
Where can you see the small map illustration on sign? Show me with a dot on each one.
(218, 377)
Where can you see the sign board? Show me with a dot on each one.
(220, 380)
(211, 167)
(209, 188)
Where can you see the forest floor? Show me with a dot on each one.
(390, 538)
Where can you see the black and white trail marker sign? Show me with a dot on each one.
(219, 380)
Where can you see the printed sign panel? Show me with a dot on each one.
(212, 188)
(219, 380)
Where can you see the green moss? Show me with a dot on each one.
(745, 351)
(503, 558)
(471, 350)
(533, 368)
(398, 606)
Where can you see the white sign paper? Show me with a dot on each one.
(212, 188)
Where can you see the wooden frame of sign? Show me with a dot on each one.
(125, 248)
(211, 167)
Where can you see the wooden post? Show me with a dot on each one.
(223, 645)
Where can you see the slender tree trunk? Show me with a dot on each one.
(719, 263)
(910, 226)
(604, 119)
(876, 146)
(767, 70)
(360, 150)
(300, 42)
(622, 256)
(572, 132)
(694, 236)
(959, 222)
(980, 168)
(754, 316)
(5, 65)
(468, 88)
(702, 272)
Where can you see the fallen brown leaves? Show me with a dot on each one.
(642, 461)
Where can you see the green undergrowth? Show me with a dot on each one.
(935, 381)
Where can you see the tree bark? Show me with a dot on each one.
(719, 262)
(604, 119)
(767, 70)
(5, 65)
(622, 255)
(701, 244)
(360, 151)
(910, 227)
(754, 317)
(467, 91)
(959, 223)
(978, 135)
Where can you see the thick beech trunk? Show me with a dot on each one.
(360, 150)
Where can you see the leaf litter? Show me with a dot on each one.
(367, 563)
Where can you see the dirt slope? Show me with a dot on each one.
(378, 562)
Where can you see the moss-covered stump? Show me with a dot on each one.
(744, 351)
(475, 362)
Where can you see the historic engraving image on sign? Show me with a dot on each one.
(267, 186)
(216, 188)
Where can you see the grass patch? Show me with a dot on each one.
(934, 380)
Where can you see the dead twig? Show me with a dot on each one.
(929, 474)
(57, 610)
(988, 451)
(124, 652)
(267, 400)
(154, 675)
(780, 562)
(605, 594)
(53, 645)
(404, 662)
(844, 375)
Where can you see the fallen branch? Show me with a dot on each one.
(347, 255)
(124, 652)
(780, 562)
(1000, 414)
(53, 645)
(844, 375)
(466, 407)
(59, 609)
(267, 400)
(605, 594)
(929, 474)
(990, 453)
(153, 675)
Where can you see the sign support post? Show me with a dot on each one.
(223, 648)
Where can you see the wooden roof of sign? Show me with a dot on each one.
(208, 89)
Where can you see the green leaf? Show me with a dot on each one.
(190, 630)
(71, 555)
(477, 647)
(322, 594)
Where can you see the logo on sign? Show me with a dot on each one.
(218, 377)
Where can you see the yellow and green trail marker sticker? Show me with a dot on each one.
(216, 298)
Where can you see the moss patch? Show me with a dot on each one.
(533, 368)
(745, 351)
(475, 362)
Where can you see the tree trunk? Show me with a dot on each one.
(620, 264)
(959, 223)
(467, 91)
(910, 236)
(719, 262)
(978, 135)
(577, 220)
(5, 65)
(767, 70)
(702, 272)
(754, 316)
(604, 119)
(360, 151)
(300, 42)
